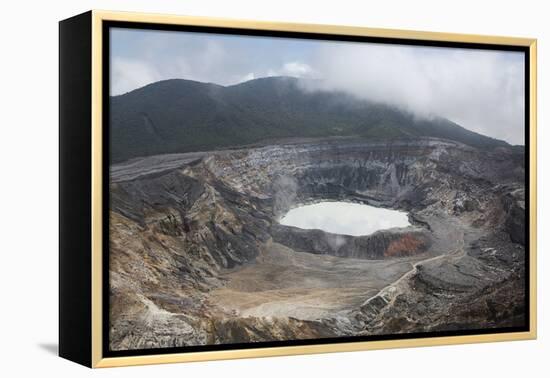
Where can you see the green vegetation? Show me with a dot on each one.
(182, 116)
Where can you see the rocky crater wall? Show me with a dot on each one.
(382, 244)
(181, 223)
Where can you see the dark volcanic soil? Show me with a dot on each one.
(197, 256)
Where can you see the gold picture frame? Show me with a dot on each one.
(92, 25)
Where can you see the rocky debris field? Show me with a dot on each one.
(197, 255)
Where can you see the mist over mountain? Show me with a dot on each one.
(182, 116)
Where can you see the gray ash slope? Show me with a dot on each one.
(197, 256)
(176, 116)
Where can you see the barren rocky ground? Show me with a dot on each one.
(197, 255)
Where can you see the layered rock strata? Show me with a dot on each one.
(197, 255)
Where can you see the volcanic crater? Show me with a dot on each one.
(197, 255)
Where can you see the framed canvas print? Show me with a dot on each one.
(235, 189)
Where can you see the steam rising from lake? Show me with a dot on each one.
(344, 218)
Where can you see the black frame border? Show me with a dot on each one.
(107, 25)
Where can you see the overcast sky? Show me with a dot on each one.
(481, 90)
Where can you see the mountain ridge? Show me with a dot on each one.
(179, 115)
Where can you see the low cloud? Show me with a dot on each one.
(481, 90)
(294, 69)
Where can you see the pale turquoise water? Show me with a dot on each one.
(344, 218)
